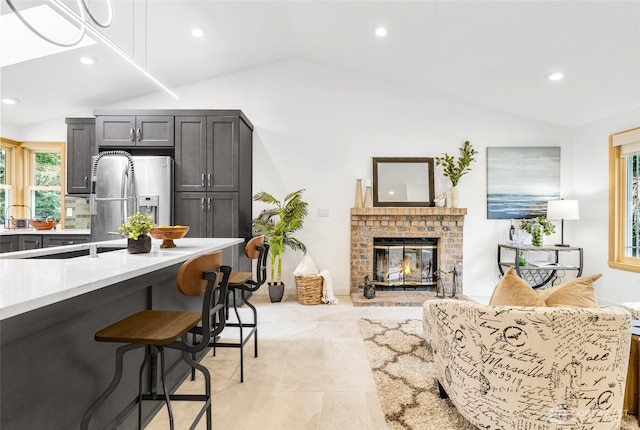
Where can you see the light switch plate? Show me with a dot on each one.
(324, 212)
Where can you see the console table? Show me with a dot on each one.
(535, 271)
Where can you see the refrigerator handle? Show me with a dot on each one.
(202, 204)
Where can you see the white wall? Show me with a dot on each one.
(318, 128)
(591, 180)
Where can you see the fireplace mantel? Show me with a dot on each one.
(444, 224)
(432, 211)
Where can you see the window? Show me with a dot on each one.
(45, 187)
(5, 190)
(31, 179)
(624, 204)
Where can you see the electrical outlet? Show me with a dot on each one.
(69, 211)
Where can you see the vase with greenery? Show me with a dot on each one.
(277, 223)
(455, 168)
(136, 229)
(536, 227)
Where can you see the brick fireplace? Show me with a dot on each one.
(443, 224)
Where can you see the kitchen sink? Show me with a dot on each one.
(73, 254)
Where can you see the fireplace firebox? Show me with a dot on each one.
(405, 262)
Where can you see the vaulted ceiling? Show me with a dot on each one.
(489, 53)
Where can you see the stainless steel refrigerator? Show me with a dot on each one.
(123, 184)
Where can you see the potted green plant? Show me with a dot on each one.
(277, 223)
(136, 229)
(454, 168)
(536, 227)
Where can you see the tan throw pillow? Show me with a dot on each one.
(512, 290)
(578, 292)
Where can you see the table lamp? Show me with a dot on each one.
(562, 209)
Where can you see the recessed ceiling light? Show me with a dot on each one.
(88, 60)
(555, 76)
(10, 101)
(198, 32)
(381, 31)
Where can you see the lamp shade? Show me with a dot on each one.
(563, 209)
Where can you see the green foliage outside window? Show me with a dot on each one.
(48, 173)
(3, 181)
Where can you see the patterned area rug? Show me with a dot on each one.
(405, 379)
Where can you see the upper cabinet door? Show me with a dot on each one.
(191, 166)
(80, 148)
(129, 130)
(115, 131)
(154, 130)
(222, 144)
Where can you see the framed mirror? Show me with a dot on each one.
(403, 181)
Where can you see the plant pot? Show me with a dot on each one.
(276, 291)
(140, 246)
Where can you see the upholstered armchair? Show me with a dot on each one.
(516, 367)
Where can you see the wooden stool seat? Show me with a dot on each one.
(151, 327)
(237, 279)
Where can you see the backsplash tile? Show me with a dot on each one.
(81, 218)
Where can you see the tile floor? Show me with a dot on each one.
(312, 372)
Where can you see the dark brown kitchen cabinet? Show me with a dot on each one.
(8, 243)
(134, 131)
(29, 241)
(207, 153)
(80, 147)
(209, 215)
(213, 176)
(64, 239)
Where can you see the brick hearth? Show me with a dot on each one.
(444, 224)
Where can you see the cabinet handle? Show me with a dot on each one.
(131, 135)
(209, 180)
(202, 204)
(202, 180)
(69, 242)
(138, 135)
(86, 181)
(209, 204)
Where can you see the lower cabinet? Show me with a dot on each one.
(210, 215)
(29, 241)
(8, 243)
(22, 242)
(64, 239)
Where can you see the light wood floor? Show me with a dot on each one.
(312, 372)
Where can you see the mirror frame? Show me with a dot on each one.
(428, 161)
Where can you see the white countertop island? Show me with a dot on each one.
(27, 284)
(52, 368)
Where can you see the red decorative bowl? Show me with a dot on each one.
(168, 233)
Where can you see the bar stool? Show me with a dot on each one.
(255, 249)
(156, 330)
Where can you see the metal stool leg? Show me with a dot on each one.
(255, 323)
(207, 388)
(84, 425)
(167, 396)
(235, 309)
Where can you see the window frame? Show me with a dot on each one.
(20, 171)
(618, 185)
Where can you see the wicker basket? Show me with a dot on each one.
(309, 289)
